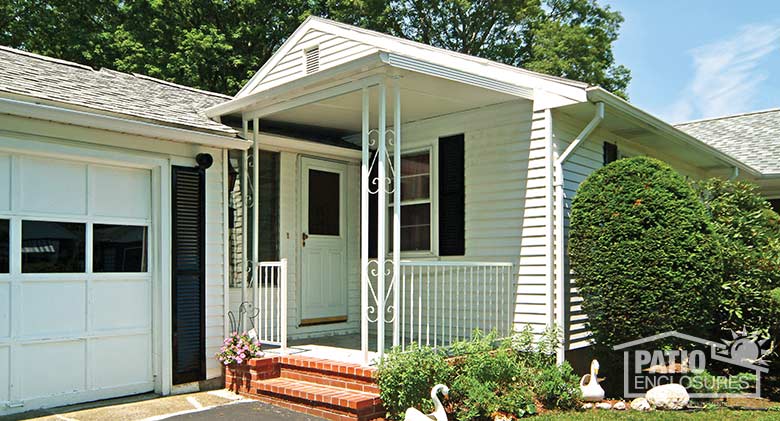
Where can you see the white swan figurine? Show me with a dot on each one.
(592, 391)
(438, 414)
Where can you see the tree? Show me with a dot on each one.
(219, 44)
(643, 253)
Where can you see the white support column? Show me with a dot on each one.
(364, 186)
(396, 213)
(244, 220)
(381, 219)
(256, 216)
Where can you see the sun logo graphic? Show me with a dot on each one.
(745, 348)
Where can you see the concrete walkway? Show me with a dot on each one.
(147, 407)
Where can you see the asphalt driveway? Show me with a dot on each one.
(255, 411)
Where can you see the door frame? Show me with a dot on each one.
(325, 164)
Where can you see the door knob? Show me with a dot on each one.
(304, 237)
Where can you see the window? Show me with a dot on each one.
(324, 203)
(119, 248)
(415, 202)
(775, 204)
(53, 247)
(4, 245)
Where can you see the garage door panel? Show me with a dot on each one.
(129, 201)
(120, 304)
(5, 371)
(5, 312)
(134, 367)
(53, 308)
(5, 182)
(53, 368)
(53, 186)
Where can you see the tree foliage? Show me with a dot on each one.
(219, 44)
(749, 234)
(643, 253)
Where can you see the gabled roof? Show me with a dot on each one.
(107, 91)
(753, 138)
(379, 42)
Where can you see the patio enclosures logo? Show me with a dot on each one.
(645, 366)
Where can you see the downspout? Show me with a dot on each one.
(735, 174)
(560, 271)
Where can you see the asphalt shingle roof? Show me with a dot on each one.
(753, 138)
(105, 90)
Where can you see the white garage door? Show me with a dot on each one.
(75, 282)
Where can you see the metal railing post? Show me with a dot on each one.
(283, 307)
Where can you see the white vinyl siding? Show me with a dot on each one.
(504, 193)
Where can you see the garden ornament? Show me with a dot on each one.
(438, 414)
(592, 391)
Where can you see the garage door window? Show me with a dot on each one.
(119, 248)
(53, 247)
(4, 245)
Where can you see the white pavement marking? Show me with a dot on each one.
(194, 402)
(64, 418)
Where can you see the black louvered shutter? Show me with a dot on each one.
(610, 153)
(452, 215)
(188, 275)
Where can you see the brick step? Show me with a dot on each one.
(335, 369)
(327, 401)
(330, 373)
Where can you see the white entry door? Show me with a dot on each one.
(323, 242)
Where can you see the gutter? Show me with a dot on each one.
(118, 124)
(559, 288)
(598, 94)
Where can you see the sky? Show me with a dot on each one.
(694, 59)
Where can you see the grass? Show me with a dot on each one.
(716, 414)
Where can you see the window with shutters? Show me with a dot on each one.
(416, 203)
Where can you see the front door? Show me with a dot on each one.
(323, 242)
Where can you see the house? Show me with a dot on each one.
(753, 138)
(142, 221)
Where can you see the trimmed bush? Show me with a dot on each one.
(643, 253)
(749, 234)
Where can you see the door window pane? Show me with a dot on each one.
(4, 245)
(119, 248)
(52, 247)
(324, 201)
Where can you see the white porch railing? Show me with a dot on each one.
(443, 302)
(269, 299)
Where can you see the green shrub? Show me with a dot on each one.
(749, 234)
(488, 380)
(405, 379)
(643, 252)
(557, 386)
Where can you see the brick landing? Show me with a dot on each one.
(329, 389)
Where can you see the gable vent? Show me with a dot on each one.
(312, 56)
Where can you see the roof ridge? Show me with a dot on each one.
(177, 85)
(46, 58)
(725, 117)
(465, 56)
